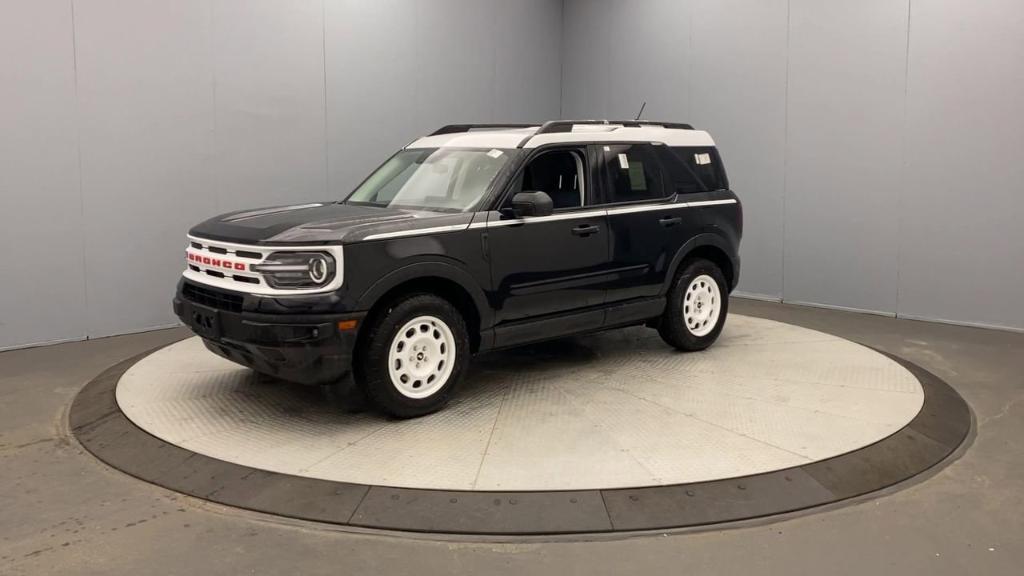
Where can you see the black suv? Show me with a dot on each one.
(474, 238)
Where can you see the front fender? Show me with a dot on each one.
(419, 270)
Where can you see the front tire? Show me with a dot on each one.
(413, 356)
(698, 303)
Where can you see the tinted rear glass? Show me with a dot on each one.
(694, 169)
(631, 172)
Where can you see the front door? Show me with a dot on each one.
(550, 264)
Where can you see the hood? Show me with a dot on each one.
(321, 222)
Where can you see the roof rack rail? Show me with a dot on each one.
(566, 125)
(457, 128)
(669, 125)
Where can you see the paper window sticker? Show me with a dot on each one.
(623, 162)
(637, 177)
(607, 148)
(702, 159)
(495, 153)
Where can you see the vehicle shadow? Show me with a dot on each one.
(487, 374)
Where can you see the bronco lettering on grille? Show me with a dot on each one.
(214, 262)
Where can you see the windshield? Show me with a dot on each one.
(443, 179)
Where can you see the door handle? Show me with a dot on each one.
(668, 221)
(585, 230)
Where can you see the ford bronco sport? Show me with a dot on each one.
(473, 238)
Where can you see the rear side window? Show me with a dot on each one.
(693, 169)
(630, 172)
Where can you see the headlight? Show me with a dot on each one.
(296, 270)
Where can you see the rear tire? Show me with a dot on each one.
(698, 304)
(413, 356)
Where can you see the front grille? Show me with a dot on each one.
(212, 298)
(233, 267)
(225, 262)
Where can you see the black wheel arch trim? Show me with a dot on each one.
(698, 241)
(427, 270)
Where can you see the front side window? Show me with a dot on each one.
(440, 179)
(631, 173)
(559, 174)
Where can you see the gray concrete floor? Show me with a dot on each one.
(61, 511)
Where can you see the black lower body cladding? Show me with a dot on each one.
(308, 349)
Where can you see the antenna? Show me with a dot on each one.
(641, 112)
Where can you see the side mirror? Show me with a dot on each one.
(532, 204)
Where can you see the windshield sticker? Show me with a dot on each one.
(623, 162)
(495, 153)
(701, 159)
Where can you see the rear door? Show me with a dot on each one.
(648, 225)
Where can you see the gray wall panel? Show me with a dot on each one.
(455, 62)
(962, 240)
(370, 92)
(877, 153)
(847, 63)
(187, 109)
(40, 205)
(528, 83)
(869, 181)
(654, 70)
(738, 93)
(270, 132)
(437, 67)
(585, 67)
(145, 89)
(445, 61)
(619, 53)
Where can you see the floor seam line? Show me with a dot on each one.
(487, 448)
(346, 447)
(602, 427)
(814, 382)
(606, 512)
(719, 426)
(359, 504)
(773, 402)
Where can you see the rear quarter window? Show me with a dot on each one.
(693, 169)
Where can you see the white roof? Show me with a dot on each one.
(505, 138)
(581, 133)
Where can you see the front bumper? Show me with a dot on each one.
(303, 348)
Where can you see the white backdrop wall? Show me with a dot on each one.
(123, 123)
(876, 143)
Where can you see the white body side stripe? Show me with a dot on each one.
(552, 218)
(417, 232)
(710, 203)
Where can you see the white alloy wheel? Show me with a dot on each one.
(701, 305)
(421, 357)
